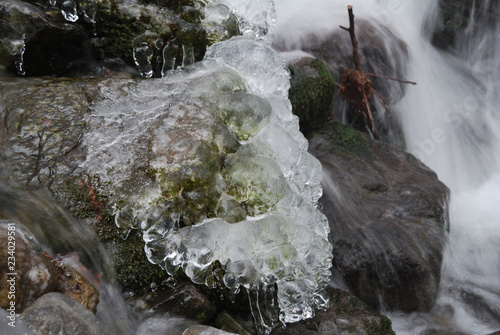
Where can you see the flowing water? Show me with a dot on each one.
(450, 121)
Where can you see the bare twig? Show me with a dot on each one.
(391, 78)
(354, 41)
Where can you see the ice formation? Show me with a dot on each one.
(210, 164)
(255, 18)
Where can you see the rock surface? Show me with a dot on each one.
(346, 315)
(388, 217)
(459, 17)
(38, 39)
(56, 313)
(182, 300)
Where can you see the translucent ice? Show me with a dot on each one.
(208, 162)
(256, 18)
(69, 11)
(262, 67)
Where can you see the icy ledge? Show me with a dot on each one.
(210, 164)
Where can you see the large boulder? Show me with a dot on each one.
(204, 165)
(388, 216)
(56, 313)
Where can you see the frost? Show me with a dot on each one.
(208, 162)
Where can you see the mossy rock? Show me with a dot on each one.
(131, 267)
(348, 139)
(311, 92)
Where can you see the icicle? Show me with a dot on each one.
(143, 53)
(264, 307)
(19, 58)
(68, 10)
(187, 55)
(169, 57)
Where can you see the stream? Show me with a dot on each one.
(450, 122)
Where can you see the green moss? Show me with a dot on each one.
(132, 269)
(348, 139)
(383, 327)
(311, 93)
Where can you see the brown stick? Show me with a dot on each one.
(391, 78)
(354, 41)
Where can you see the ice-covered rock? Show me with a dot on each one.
(210, 164)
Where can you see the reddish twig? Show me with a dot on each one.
(357, 89)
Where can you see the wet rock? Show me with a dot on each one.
(56, 313)
(228, 323)
(37, 39)
(37, 274)
(73, 284)
(183, 300)
(346, 315)
(34, 44)
(311, 92)
(204, 330)
(456, 18)
(13, 324)
(388, 216)
(164, 325)
(25, 273)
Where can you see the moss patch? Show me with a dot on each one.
(132, 269)
(311, 93)
(348, 139)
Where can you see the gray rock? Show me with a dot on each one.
(183, 300)
(388, 217)
(56, 313)
(13, 324)
(346, 315)
(457, 18)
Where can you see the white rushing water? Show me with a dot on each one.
(450, 121)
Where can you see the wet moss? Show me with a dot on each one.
(381, 327)
(311, 93)
(348, 139)
(131, 267)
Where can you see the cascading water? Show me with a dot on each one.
(450, 121)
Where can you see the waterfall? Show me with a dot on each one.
(450, 122)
